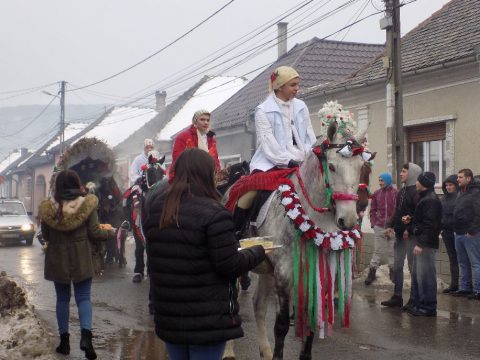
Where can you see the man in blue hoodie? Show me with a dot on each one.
(406, 203)
(382, 208)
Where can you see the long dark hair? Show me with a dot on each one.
(194, 176)
(68, 186)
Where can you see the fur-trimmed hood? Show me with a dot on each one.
(75, 212)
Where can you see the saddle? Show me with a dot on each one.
(258, 181)
(247, 221)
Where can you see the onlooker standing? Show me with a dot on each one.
(426, 229)
(406, 202)
(382, 208)
(194, 262)
(450, 189)
(69, 224)
(466, 224)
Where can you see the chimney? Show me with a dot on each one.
(282, 38)
(23, 151)
(160, 100)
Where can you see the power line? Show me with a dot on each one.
(258, 31)
(228, 48)
(35, 88)
(30, 122)
(157, 52)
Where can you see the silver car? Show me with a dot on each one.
(15, 224)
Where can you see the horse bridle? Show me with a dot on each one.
(350, 148)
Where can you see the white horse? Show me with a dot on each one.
(310, 184)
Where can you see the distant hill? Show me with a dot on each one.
(19, 129)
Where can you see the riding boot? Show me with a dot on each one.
(240, 217)
(371, 276)
(64, 347)
(86, 344)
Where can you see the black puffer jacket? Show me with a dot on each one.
(193, 270)
(466, 215)
(448, 203)
(427, 219)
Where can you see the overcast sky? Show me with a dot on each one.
(45, 41)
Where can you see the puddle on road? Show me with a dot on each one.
(137, 345)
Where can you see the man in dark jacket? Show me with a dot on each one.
(426, 229)
(450, 189)
(466, 224)
(406, 203)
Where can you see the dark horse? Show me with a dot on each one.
(232, 174)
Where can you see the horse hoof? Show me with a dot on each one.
(305, 357)
(228, 358)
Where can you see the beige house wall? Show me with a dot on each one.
(450, 95)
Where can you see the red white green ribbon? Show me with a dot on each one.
(321, 260)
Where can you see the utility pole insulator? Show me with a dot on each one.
(386, 22)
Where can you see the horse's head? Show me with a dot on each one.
(154, 171)
(342, 157)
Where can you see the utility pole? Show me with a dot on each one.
(62, 116)
(392, 62)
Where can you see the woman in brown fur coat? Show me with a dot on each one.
(69, 224)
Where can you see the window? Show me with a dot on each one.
(427, 148)
(430, 156)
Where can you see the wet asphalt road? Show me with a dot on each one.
(123, 329)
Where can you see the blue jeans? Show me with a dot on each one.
(82, 298)
(195, 352)
(401, 248)
(468, 253)
(424, 280)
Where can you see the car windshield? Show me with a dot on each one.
(12, 208)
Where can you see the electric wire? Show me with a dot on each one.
(30, 122)
(327, 36)
(155, 53)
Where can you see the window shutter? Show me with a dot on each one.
(429, 132)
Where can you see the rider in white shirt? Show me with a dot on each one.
(135, 171)
(284, 130)
(283, 126)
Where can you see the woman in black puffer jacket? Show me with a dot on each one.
(194, 262)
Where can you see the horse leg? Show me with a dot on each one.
(282, 322)
(260, 297)
(228, 353)
(306, 353)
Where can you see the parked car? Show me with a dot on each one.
(15, 224)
